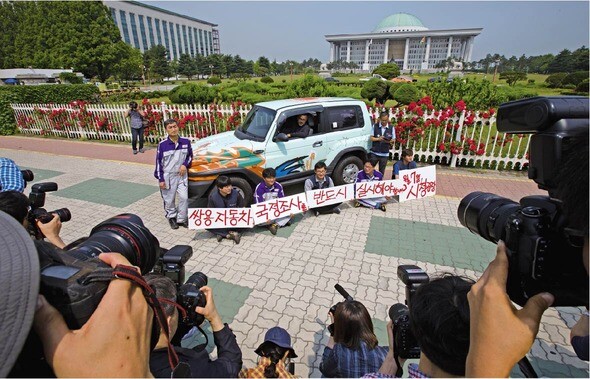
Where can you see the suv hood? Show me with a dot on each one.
(224, 151)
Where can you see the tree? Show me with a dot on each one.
(187, 66)
(131, 67)
(156, 61)
(387, 70)
(309, 85)
(376, 89)
(407, 93)
(264, 62)
(562, 62)
(512, 77)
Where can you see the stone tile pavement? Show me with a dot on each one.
(288, 279)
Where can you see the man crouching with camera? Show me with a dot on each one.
(229, 355)
(435, 328)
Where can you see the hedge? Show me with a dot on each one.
(41, 94)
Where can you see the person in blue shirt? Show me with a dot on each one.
(270, 189)
(11, 178)
(353, 349)
(405, 163)
(369, 174)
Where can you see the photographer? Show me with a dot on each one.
(11, 178)
(17, 205)
(136, 118)
(439, 320)
(352, 351)
(229, 355)
(115, 340)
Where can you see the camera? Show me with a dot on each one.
(544, 252)
(38, 213)
(28, 175)
(189, 297)
(346, 297)
(405, 344)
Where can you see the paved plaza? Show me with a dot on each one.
(289, 279)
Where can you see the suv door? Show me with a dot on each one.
(296, 157)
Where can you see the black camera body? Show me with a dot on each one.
(544, 254)
(346, 297)
(38, 213)
(189, 297)
(405, 344)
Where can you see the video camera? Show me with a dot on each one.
(544, 252)
(405, 344)
(346, 297)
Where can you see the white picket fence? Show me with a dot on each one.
(500, 150)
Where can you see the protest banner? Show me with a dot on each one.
(328, 196)
(277, 208)
(420, 182)
(214, 218)
(369, 190)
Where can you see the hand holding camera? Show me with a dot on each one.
(209, 311)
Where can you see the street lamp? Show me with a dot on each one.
(291, 67)
(211, 67)
(143, 74)
(497, 62)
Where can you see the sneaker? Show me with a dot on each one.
(134, 152)
(273, 229)
(236, 237)
(219, 238)
(288, 223)
(184, 224)
(141, 150)
(173, 223)
(382, 207)
(357, 204)
(336, 210)
(316, 213)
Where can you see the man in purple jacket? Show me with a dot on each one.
(270, 189)
(369, 174)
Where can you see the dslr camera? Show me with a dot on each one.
(346, 297)
(544, 253)
(405, 344)
(37, 212)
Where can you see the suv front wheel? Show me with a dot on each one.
(346, 170)
(244, 188)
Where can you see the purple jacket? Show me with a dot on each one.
(264, 193)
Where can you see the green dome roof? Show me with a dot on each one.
(399, 22)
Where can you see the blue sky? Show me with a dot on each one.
(285, 30)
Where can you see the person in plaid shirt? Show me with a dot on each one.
(274, 352)
(11, 178)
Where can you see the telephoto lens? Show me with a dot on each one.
(190, 297)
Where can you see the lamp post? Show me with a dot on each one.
(211, 67)
(143, 74)
(291, 67)
(497, 62)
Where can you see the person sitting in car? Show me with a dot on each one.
(299, 130)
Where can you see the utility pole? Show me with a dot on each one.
(497, 62)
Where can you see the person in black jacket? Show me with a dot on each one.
(225, 196)
(299, 130)
(229, 355)
(382, 139)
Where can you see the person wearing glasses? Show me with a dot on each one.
(299, 130)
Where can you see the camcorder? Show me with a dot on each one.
(74, 280)
(544, 252)
(346, 297)
(405, 344)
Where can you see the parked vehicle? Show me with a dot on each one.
(339, 136)
(332, 79)
(374, 76)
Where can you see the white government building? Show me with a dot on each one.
(403, 39)
(143, 26)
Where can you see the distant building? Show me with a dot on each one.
(32, 76)
(143, 26)
(403, 39)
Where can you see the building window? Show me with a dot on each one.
(158, 32)
(165, 28)
(196, 41)
(124, 27)
(134, 30)
(180, 47)
(151, 30)
(143, 33)
(190, 40)
(186, 49)
(113, 14)
(174, 52)
(210, 43)
(201, 42)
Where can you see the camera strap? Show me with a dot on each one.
(184, 314)
(400, 370)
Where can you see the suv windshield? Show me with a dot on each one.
(257, 123)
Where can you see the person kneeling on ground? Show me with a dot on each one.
(369, 174)
(270, 189)
(319, 180)
(405, 163)
(274, 353)
(439, 320)
(229, 355)
(224, 195)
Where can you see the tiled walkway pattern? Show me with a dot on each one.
(288, 279)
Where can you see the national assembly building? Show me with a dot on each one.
(402, 39)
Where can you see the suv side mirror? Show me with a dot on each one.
(281, 137)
